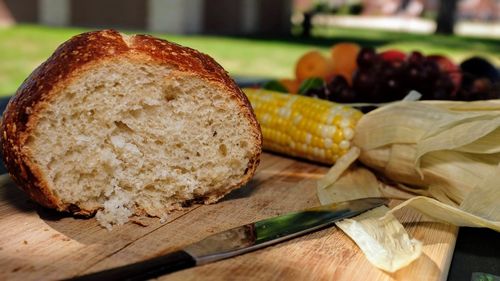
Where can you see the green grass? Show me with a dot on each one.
(23, 47)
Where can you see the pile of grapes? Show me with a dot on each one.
(361, 75)
(392, 76)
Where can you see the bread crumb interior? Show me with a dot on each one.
(128, 136)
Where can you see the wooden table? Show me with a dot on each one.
(39, 244)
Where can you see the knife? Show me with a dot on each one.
(239, 240)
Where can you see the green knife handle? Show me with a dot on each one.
(143, 270)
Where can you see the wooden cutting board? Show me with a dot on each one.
(39, 244)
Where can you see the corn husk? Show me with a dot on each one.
(444, 157)
(383, 239)
(442, 149)
(342, 164)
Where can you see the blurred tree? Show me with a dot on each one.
(446, 16)
(307, 24)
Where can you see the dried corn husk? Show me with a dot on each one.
(382, 237)
(444, 156)
(442, 149)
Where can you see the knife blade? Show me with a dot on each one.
(239, 240)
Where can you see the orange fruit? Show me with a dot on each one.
(312, 64)
(291, 85)
(344, 59)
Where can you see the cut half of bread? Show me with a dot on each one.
(120, 125)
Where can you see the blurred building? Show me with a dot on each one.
(480, 10)
(171, 16)
(485, 10)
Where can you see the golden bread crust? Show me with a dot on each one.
(78, 53)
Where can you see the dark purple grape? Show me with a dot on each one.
(390, 70)
(397, 65)
(482, 87)
(347, 96)
(363, 81)
(480, 67)
(340, 91)
(415, 57)
(411, 76)
(430, 70)
(393, 86)
(495, 91)
(366, 86)
(337, 82)
(464, 95)
(393, 80)
(367, 57)
(444, 83)
(440, 94)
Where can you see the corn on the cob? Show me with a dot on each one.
(304, 127)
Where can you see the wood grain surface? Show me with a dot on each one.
(40, 244)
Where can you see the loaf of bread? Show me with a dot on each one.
(118, 125)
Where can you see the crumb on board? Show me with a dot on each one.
(139, 222)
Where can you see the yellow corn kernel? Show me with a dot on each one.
(338, 136)
(304, 127)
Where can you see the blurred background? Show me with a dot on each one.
(252, 38)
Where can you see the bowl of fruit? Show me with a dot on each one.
(361, 75)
